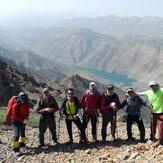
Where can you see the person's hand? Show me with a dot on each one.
(75, 117)
(25, 121)
(113, 105)
(47, 109)
(150, 106)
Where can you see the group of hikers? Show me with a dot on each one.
(88, 108)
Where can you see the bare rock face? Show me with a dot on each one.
(12, 82)
(118, 150)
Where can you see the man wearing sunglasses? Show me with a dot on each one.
(71, 109)
(109, 104)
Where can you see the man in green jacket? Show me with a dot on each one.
(155, 97)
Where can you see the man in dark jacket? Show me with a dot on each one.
(71, 109)
(46, 106)
(109, 103)
(134, 103)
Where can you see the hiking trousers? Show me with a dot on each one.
(156, 119)
(106, 118)
(137, 119)
(79, 126)
(93, 118)
(44, 123)
(19, 133)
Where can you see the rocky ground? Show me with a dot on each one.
(113, 151)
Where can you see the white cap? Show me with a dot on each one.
(129, 90)
(92, 83)
(45, 90)
(152, 83)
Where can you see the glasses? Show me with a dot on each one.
(70, 93)
(110, 89)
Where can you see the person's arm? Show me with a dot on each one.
(15, 114)
(78, 105)
(123, 104)
(38, 109)
(103, 107)
(28, 111)
(55, 106)
(83, 102)
(63, 108)
(145, 103)
(145, 94)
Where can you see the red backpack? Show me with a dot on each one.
(8, 114)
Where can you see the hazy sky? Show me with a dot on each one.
(73, 8)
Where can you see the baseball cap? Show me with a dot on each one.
(152, 83)
(92, 83)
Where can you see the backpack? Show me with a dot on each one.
(8, 114)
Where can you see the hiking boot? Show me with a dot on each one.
(158, 143)
(113, 138)
(94, 140)
(22, 144)
(69, 142)
(41, 145)
(16, 150)
(55, 143)
(130, 139)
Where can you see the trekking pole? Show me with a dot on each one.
(59, 125)
(152, 127)
(114, 122)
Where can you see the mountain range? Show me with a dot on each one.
(136, 53)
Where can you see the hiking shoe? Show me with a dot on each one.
(94, 140)
(16, 150)
(130, 139)
(112, 138)
(41, 145)
(158, 143)
(22, 144)
(55, 143)
(69, 142)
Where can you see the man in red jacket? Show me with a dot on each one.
(19, 115)
(109, 103)
(90, 102)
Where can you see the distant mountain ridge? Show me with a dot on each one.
(138, 56)
(119, 26)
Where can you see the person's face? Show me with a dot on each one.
(130, 93)
(110, 92)
(70, 94)
(92, 87)
(154, 88)
(46, 95)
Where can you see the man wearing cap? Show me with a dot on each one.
(155, 97)
(109, 103)
(134, 103)
(46, 106)
(90, 102)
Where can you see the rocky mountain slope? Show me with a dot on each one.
(119, 151)
(12, 82)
